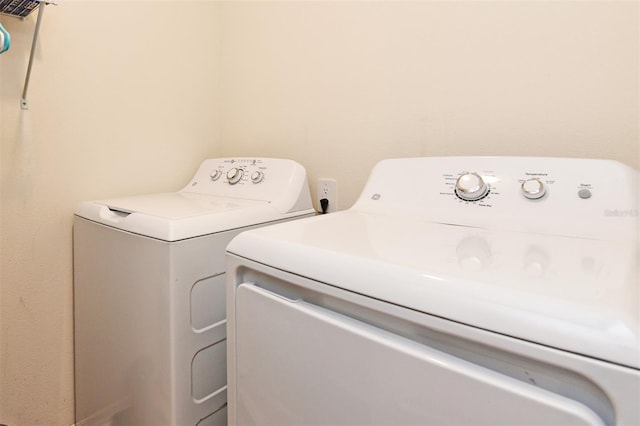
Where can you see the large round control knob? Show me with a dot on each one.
(471, 187)
(234, 175)
(215, 175)
(533, 189)
(257, 176)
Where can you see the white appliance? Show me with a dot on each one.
(456, 290)
(149, 291)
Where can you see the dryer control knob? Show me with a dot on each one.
(471, 187)
(257, 176)
(234, 175)
(533, 189)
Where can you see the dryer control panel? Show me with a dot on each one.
(555, 196)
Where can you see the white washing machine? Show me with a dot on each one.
(149, 291)
(469, 291)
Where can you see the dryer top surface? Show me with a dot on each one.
(542, 249)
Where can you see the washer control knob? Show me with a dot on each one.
(257, 176)
(215, 175)
(234, 175)
(471, 187)
(533, 189)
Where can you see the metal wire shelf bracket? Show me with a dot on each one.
(23, 100)
(20, 9)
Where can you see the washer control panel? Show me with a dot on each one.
(265, 179)
(240, 170)
(564, 196)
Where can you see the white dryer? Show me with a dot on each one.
(469, 290)
(149, 291)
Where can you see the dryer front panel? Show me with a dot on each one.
(299, 363)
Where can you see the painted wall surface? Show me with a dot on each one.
(340, 85)
(128, 97)
(123, 99)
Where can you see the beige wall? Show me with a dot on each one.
(341, 85)
(128, 97)
(123, 100)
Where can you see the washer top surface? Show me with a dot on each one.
(224, 194)
(561, 286)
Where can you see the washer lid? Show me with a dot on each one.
(575, 294)
(177, 205)
(178, 215)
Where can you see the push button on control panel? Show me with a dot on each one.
(584, 193)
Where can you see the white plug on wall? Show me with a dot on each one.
(327, 195)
